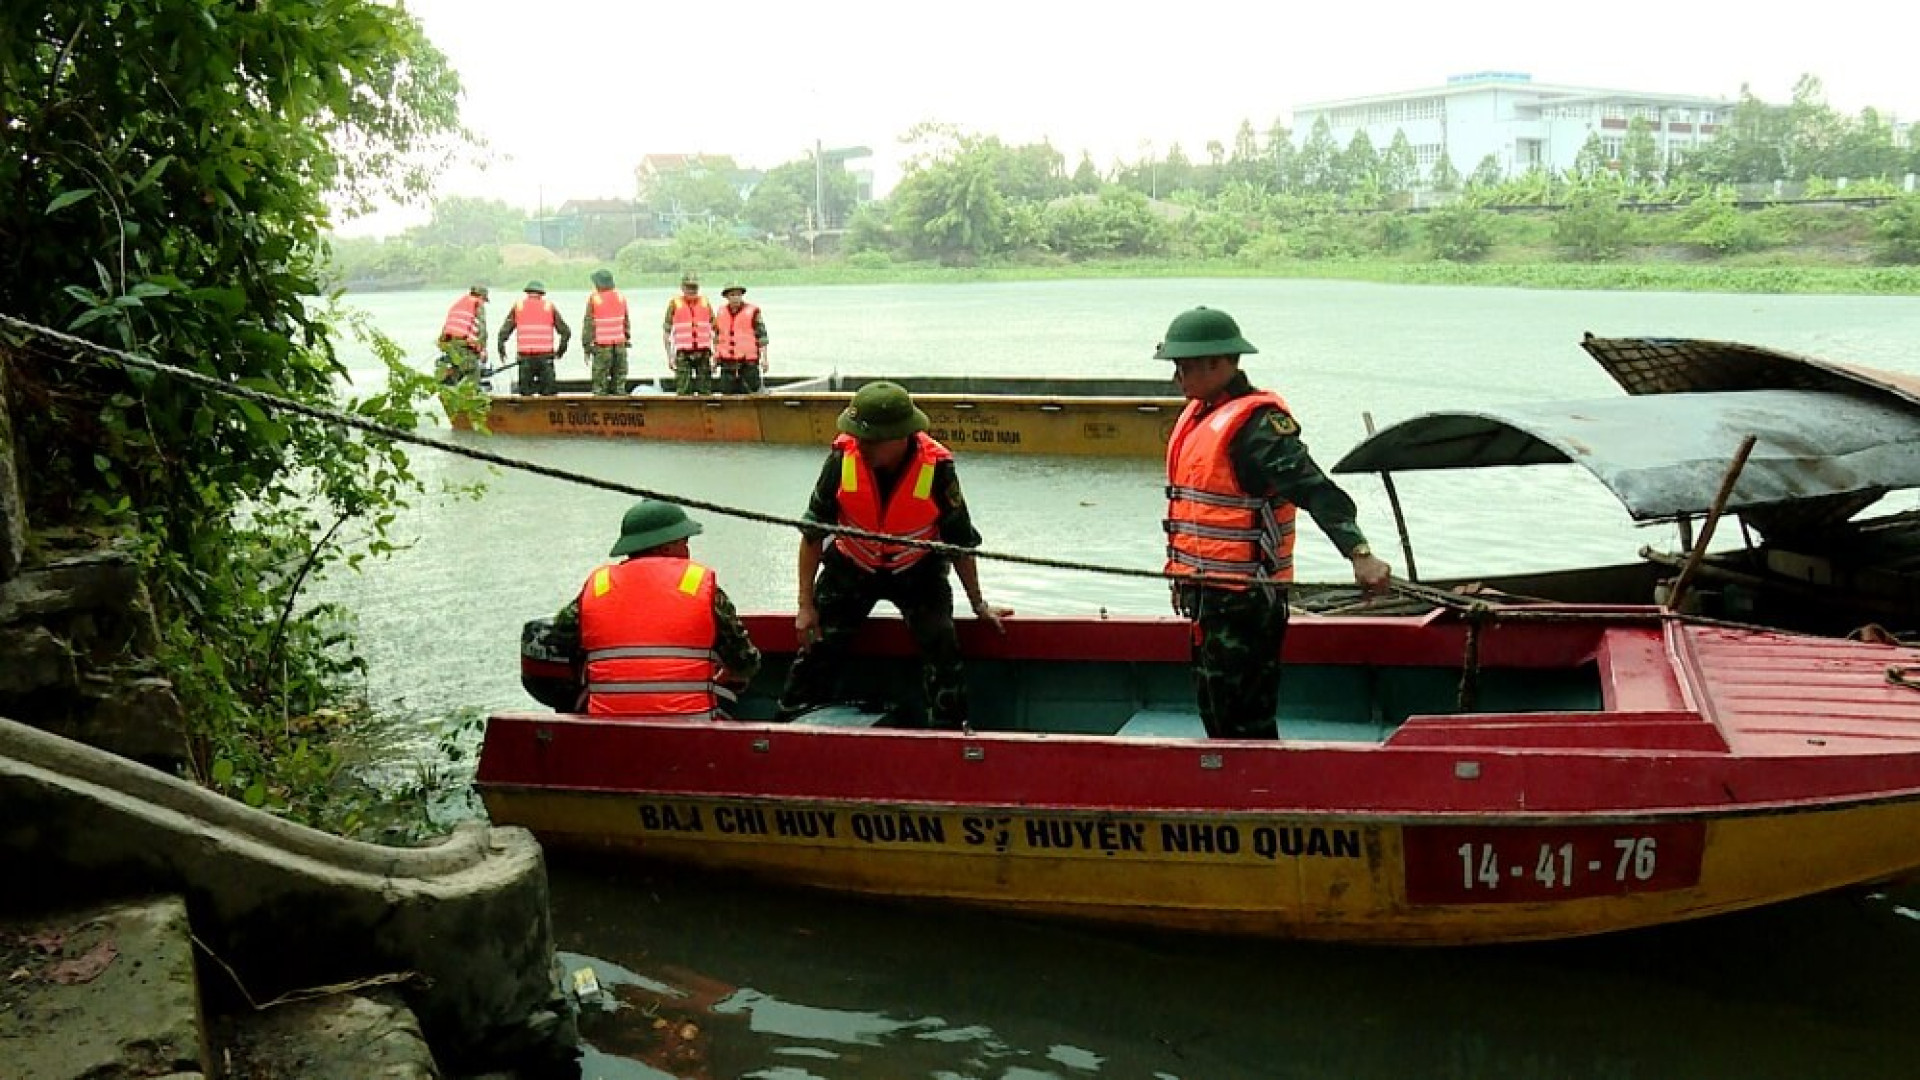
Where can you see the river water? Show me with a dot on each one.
(729, 979)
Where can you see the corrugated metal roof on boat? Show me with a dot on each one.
(1665, 456)
(1767, 687)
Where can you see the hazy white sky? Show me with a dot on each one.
(570, 94)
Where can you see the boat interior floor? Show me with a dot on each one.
(1318, 702)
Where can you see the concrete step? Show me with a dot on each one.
(101, 993)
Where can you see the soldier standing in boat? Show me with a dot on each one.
(543, 335)
(608, 331)
(654, 633)
(740, 342)
(885, 474)
(688, 333)
(1236, 470)
(463, 338)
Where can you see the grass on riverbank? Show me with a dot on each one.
(1767, 274)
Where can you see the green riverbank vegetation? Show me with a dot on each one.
(169, 168)
(1789, 198)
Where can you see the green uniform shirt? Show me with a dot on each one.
(1270, 460)
(731, 643)
(956, 522)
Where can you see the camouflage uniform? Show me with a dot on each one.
(845, 594)
(1238, 633)
(609, 364)
(461, 361)
(606, 364)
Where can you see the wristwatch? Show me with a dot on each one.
(1360, 551)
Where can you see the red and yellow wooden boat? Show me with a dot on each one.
(1551, 773)
(980, 414)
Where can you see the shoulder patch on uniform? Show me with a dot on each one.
(1282, 424)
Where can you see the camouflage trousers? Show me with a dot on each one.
(739, 376)
(460, 361)
(844, 595)
(535, 376)
(693, 372)
(608, 364)
(1236, 658)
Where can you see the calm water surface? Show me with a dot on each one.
(776, 984)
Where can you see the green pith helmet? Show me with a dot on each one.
(603, 279)
(1202, 331)
(734, 287)
(882, 410)
(536, 286)
(689, 278)
(478, 290)
(650, 523)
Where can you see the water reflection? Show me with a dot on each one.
(784, 983)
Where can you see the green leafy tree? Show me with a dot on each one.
(463, 221)
(1086, 178)
(1639, 154)
(948, 205)
(1444, 177)
(1359, 163)
(1399, 170)
(1815, 132)
(1896, 231)
(1591, 161)
(1460, 233)
(1244, 163)
(1119, 222)
(171, 165)
(1865, 149)
(1488, 174)
(1592, 228)
(1283, 160)
(1749, 147)
(1319, 167)
(782, 203)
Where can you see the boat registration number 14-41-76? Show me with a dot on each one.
(1487, 864)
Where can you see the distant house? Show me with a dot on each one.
(1519, 123)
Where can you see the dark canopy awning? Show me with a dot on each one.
(1827, 452)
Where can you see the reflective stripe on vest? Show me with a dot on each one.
(463, 320)
(736, 340)
(609, 318)
(911, 513)
(1212, 525)
(647, 629)
(692, 324)
(533, 326)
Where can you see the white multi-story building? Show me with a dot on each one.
(1523, 124)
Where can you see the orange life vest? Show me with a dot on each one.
(911, 513)
(1213, 526)
(533, 326)
(646, 626)
(609, 317)
(692, 324)
(463, 321)
(736, 340)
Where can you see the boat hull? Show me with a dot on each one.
(1407, 881)
(1546, 773)
(1116, 419)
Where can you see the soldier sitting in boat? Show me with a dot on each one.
(653, 635)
